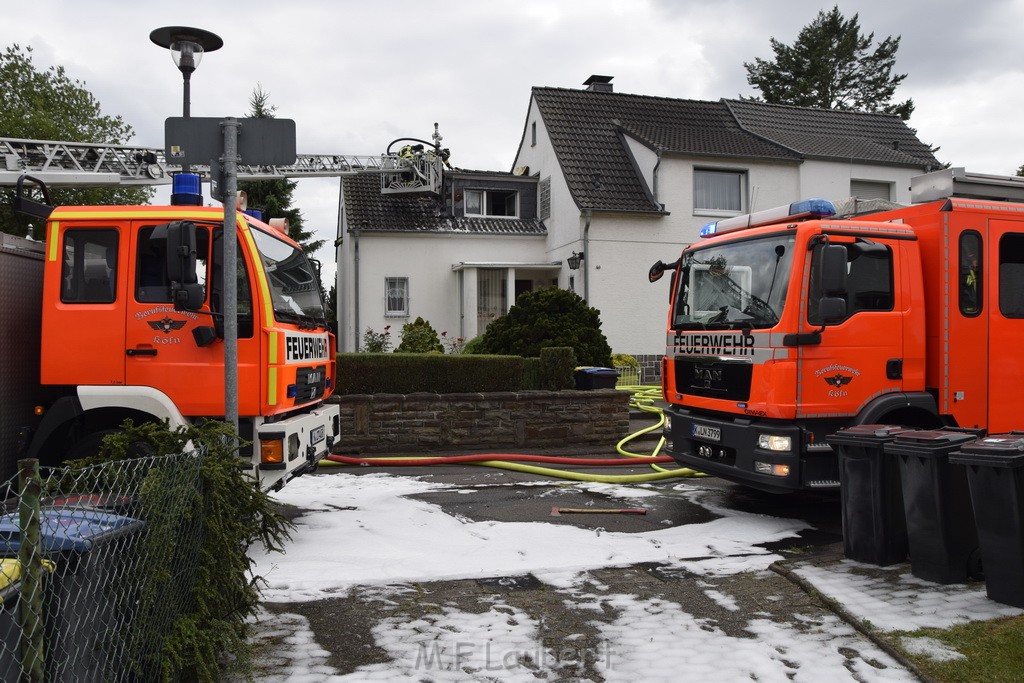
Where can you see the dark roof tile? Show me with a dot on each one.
(368, 210)
(834, 134)
(584, 127)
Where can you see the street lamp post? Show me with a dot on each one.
(187, 46)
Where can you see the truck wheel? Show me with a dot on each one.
(88, 446)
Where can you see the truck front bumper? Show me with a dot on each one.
(734, 448)
(305, 439)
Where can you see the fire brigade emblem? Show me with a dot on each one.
(167, 325)
(838, 380)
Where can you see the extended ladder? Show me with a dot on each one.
(83, 164)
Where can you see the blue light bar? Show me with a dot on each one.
(186, 189)
(808, 208)
(819, 208)
(255, 213)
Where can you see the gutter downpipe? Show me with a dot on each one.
(355, 290)
(586, 257)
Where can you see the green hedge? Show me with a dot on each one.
(407, 373)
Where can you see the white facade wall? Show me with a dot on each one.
(426, 260)
(831, 180)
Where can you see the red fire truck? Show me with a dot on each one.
(123, 317)
(789, 324)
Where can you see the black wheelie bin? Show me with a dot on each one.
(874, 525)
(995, 476)
(941, 538)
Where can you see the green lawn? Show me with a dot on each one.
(994, 651)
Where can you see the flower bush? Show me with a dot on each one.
(377, 342)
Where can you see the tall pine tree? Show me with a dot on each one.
(274, 197)
(831, 66)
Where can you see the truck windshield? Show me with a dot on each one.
(294, 286)
(733, 286)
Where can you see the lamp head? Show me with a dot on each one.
(186, 44)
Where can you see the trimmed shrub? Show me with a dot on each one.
(549, 317)
(473, 345)
(532, 378)
(624, 360)
(407, 373)
(557, 364)
(419, 337)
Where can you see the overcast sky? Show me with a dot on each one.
(355, 76)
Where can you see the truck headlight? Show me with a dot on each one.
(668, 423)
(772, 442)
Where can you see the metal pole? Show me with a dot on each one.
(229, 163)
(31, 558)
(186, 106)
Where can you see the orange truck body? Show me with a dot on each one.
(931, 308)
(113, 342)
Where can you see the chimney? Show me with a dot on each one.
(599, 83)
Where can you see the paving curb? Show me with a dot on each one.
(782, 568)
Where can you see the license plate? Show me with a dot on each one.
(706, 432)
(317, 435)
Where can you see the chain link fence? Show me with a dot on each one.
(96, 565)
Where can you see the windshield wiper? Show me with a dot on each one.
(305, 322)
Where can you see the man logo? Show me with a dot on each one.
(167, 325)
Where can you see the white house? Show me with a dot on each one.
(456, 258)
(620, 180)
(633, 178)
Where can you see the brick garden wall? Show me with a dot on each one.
(379, 423)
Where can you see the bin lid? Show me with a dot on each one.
(872, 434)
(63, 529)
(590, 370)
(928, 442)
(997, 450)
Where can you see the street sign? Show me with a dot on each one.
(200, 140)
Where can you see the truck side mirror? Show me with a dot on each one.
(656, 271)
(832, 276)
(832, 309)
(179, 241)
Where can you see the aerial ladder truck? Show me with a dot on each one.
(119, 313)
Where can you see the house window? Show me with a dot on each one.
(870, 189)
(396, 297)
(533, 134)
(491, 296)
(544, 198)
(503, 203)
(718, 192)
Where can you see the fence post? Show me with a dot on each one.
(30, 556)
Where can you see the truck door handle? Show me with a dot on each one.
(141, 352)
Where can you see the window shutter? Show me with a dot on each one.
(870, 189)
